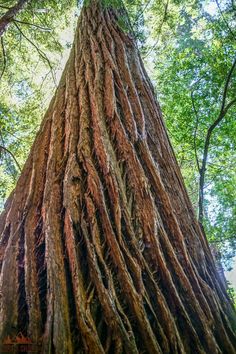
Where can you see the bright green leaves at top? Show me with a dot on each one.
(30, 58)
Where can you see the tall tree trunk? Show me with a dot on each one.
(100, 250)
(9, 16)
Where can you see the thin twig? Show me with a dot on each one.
(40, 52)
(4, 58)
(227, 85)
(225, 21)
(141, 12)
(11, 154)
(195, 131)
(12, 134)
(4, 7)
(34, 25)
(159, 31)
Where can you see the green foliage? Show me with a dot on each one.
(30, 57)
(188, 48)
(193, 47)
(232, 294)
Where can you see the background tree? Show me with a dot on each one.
(119, 263)
(195, 75)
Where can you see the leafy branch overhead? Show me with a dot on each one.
(10, 14)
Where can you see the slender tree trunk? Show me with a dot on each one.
(223, 111)
(9, 16)
(100, 250)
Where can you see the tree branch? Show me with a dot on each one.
(225, 21)
(4, 7)
(228, 106)
(223, 110)
(227, 85)
(4, 58)
(195, 132)
(33, 24)
(11, 154)
(40, 52)
(140, 13)
(8, 17)
(159, 31)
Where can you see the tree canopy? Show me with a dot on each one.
(189, 49)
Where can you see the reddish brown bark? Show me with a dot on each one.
(100, 250)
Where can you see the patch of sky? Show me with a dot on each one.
(210, 7)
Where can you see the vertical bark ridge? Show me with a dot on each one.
(177, 226)
(99, 143)
(23, 313)
(99, 236)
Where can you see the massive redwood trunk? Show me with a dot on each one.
(100, 250)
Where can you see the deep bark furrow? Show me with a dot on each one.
(124, 277)
(185, 257)
(104, 292)
(176, 234)
(141, 201)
